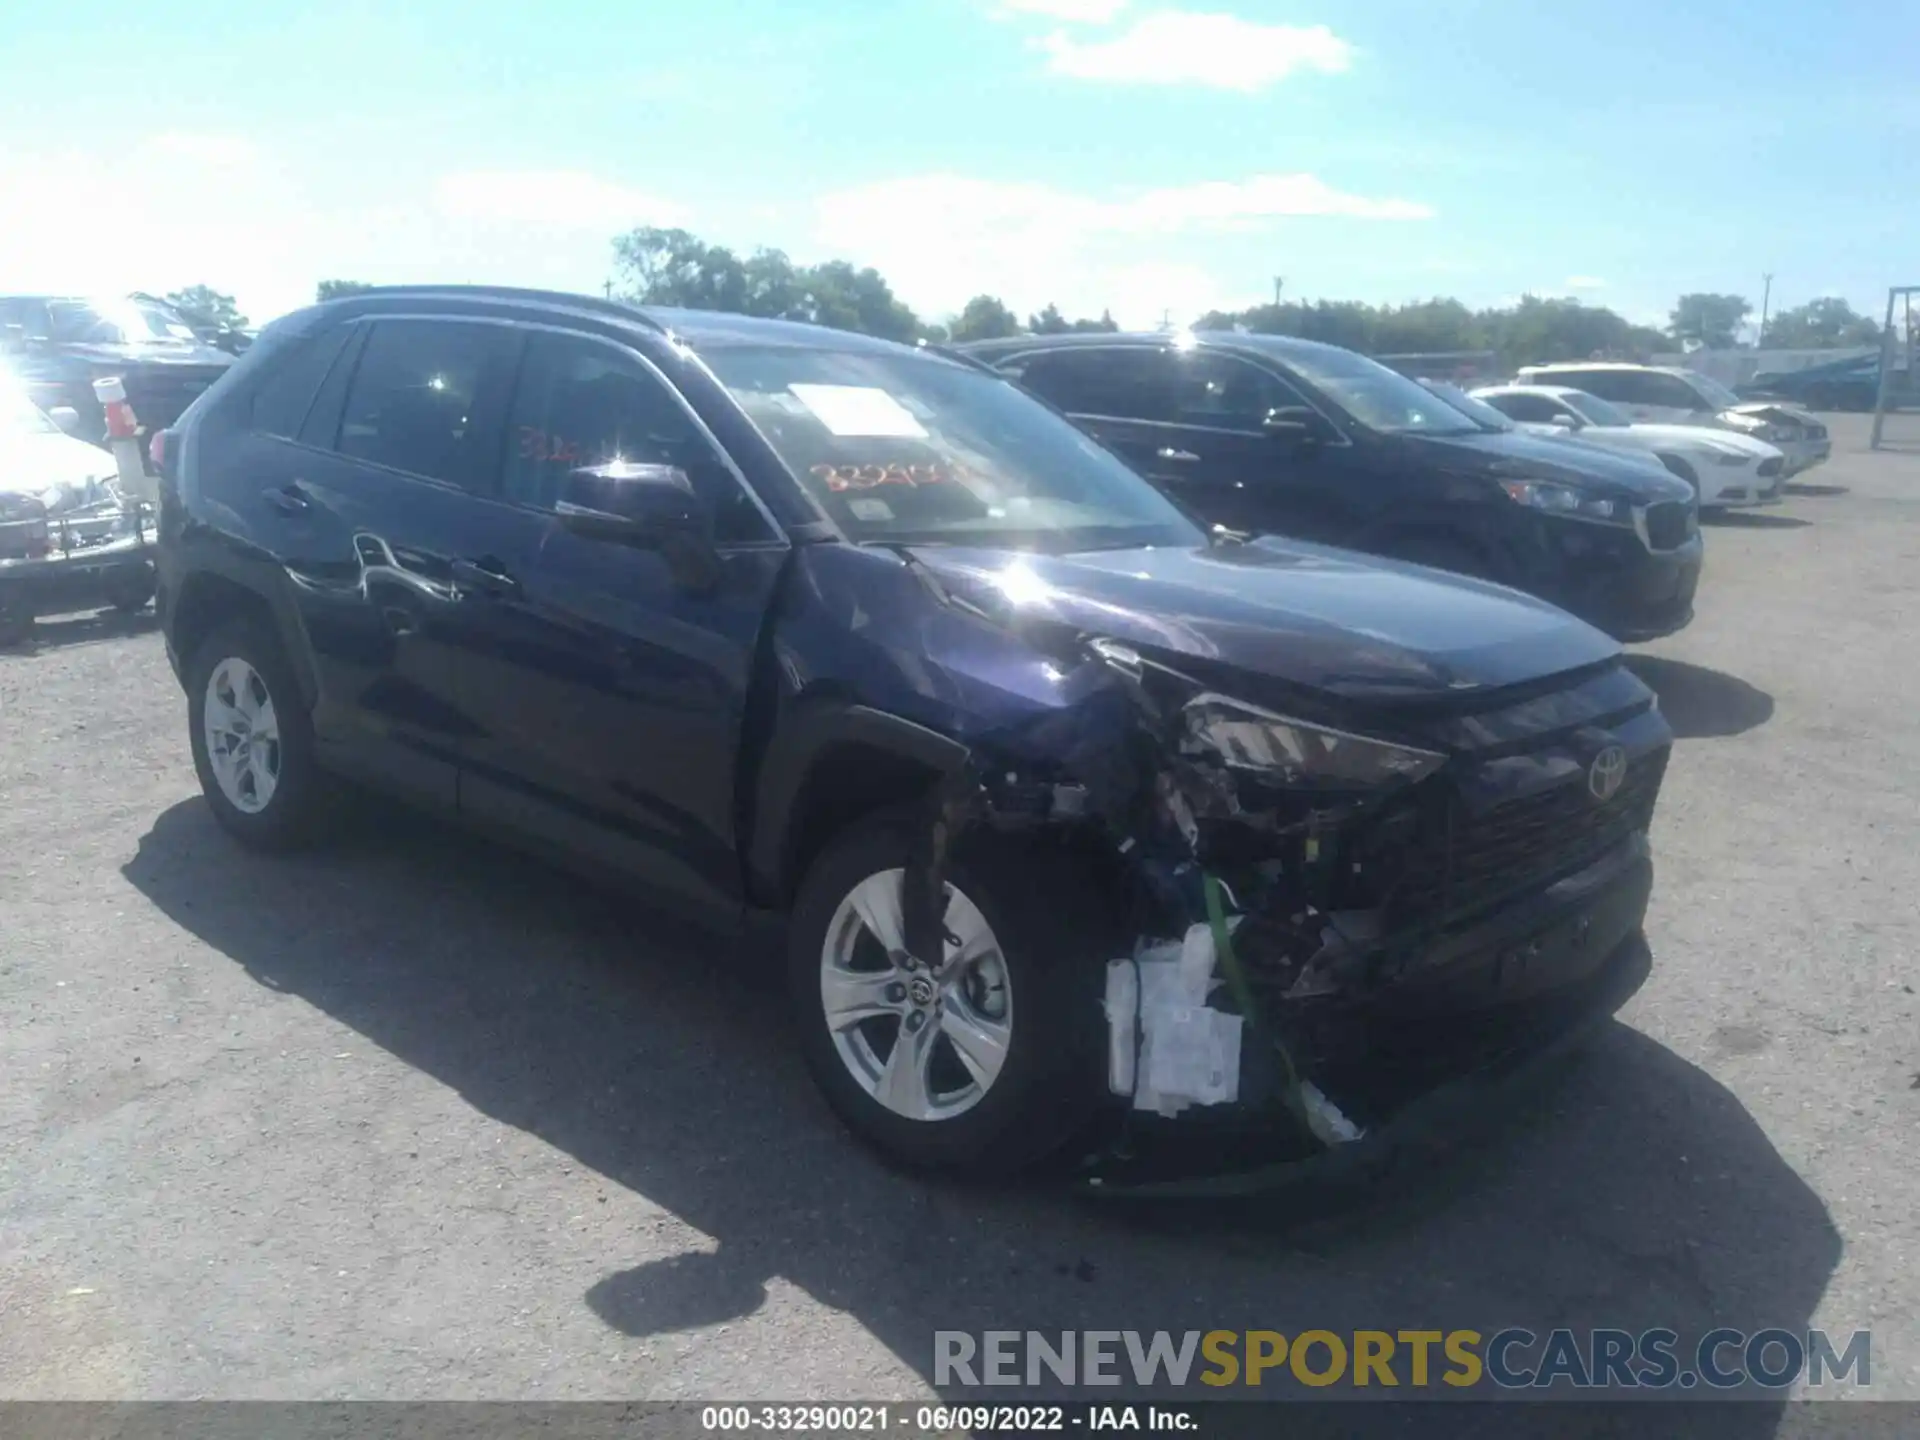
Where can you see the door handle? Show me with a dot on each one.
(486, 575)
(1178, 457)
(291, 498)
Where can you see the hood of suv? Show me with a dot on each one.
(1518, 455)
(1305, 615)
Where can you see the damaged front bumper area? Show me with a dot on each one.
(1343, 1082)
(1335, 927)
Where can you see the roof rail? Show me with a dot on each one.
(626, 310)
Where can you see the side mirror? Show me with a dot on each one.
(650, 507)
(66, 417)
(1294, 422)
(1566, 421)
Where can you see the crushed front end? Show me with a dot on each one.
(1344, 910)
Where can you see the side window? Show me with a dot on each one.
(1542, 408)
(1614, 385)
(1525, 408)
(1226, 393)
(285, 394)
(1672, 391)
(30, 315)
(416, 401)
(581, 403)
(1128, 384)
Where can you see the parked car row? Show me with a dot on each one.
(1267, 434)
(1661, 395)
(1097, 829)
(1852, 383)
(1724, 468)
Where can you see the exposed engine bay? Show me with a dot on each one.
(1294, 888)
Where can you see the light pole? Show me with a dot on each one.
(1766, 294)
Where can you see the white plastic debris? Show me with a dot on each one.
(1166, 1047)
(1325, 1119)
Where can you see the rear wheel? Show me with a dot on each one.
(252, 740)
(984, 1065)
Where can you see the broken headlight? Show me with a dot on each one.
(1295, 753)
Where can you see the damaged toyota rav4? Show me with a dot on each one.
(1099, 836)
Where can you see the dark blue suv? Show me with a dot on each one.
(1265, 433)
(1090, 829)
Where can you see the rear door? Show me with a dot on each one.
(609, 697)
(1193, 422)
(368, 509)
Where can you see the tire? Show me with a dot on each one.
(16, 623)
(293, 809)
(1051, 933)
(130, 593)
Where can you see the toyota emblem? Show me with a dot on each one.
(1605, 775)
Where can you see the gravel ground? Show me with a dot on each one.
(417, 1118)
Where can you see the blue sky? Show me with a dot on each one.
(1124, 153)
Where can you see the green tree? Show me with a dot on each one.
(1103, 326)
(1049, 322)
(207, 310)
(1823, 324)
(1710, 320)
(984, 318)
(339, 289)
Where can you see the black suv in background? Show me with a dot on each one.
(57, 346)
(769, 619)
(1266, 434)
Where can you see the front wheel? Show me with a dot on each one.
(988, 1063)
(252, 740)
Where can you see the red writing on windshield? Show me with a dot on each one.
(537, 444)
(839, 478)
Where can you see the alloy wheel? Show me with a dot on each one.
(243, 736)
(926, 1043)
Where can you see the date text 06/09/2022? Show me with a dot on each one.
(913, 1419)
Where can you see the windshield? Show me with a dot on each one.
(116, 322)
(1594, 410)
(907, 448)
(1473, 409)
(1715, 392)
(1376, 396)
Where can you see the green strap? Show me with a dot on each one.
(1243, 994)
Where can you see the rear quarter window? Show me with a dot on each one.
(295, 368)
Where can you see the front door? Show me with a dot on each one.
(611, 694)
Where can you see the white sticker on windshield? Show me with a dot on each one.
(856, 411)
(875, 510)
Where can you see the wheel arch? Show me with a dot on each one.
(207, 598)
(829, 763)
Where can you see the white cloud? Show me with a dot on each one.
(1179, 47)
(1033, 244)
(219, 210)
(1082, 12)
(550, 199)
(1585, 282)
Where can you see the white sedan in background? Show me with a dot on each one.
(1725, 468)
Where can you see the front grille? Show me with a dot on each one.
(1523, 844)
(1668, 524)
(160, 396)
(1770, 467)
